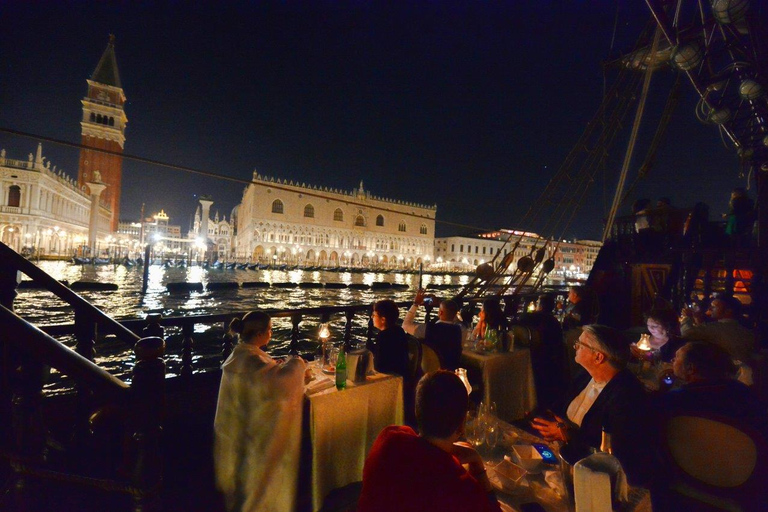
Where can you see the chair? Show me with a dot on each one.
(718, 462)
(429, 360)
(522, 335)
(414, 357)
(343, 499)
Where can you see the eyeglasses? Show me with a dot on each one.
(593, 349)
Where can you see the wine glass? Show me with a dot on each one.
(475, 430)
(492, 433)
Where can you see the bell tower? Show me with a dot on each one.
(103, 127)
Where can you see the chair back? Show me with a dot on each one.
(711, 452)
(718, 461)
(414, 357)
(522, 335)
(429, 360)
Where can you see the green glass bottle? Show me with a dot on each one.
(341, 370)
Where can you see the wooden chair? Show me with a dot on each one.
(429, 360)
(717, 462)
(522, 335)
(414, 358)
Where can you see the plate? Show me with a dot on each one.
(329, 370)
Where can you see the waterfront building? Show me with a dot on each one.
(103, 128)
(220, 233)
(42, 210)
(282, 221)
(572, 259)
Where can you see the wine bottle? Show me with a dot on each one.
(341, 371)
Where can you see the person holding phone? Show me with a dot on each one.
(443, 336)
(607, 397)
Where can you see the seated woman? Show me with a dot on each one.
(491, 317)
(608, 398)
(664, 327)
(258, 422)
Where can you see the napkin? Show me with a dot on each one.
(592, 483)
(354, 358)
(319, 384)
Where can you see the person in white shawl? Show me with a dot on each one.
(258, 422)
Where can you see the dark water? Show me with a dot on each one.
(42, 308)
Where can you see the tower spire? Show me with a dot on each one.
(103, 128)
(106, 70)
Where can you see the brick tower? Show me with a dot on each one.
(103, 127)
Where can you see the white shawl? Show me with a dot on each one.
(258, 431)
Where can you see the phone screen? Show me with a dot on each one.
(547, 455)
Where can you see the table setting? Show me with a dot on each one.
(506, 377)
(343, 423)
(524, 468)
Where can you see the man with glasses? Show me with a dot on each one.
(608, 397)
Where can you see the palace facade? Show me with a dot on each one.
(282, 221)
(42, 210)
(572, 259)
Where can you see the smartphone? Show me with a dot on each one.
(668, 379)
(428, 301)
(547, 455)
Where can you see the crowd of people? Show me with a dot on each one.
(428, 462)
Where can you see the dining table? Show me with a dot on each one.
(548, 486)
(343, 424)
(506, 379)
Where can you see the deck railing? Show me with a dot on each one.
(26, 356)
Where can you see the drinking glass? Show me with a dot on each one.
(492, 433)
(475, 429)
(333, 356)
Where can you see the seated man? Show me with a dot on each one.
(710, 387)
(443, 336)
(409, 472)
(609, 398)
(725, 330)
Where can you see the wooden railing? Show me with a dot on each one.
(26, 356)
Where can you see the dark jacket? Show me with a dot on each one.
(548, 357)
(622, 409)
(390, 353)
(728, 398)
(445, 339)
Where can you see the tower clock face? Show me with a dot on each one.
(103, 96)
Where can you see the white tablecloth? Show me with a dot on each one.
(507, 380)
(343, 426)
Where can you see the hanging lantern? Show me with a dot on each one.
(687, 57)
(720, 116)
(548, 266)
(750, 89)
(729, 11)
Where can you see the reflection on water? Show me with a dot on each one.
(43, 308)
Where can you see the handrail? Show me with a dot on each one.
(136, 325)
(46, 349)
(67, 295)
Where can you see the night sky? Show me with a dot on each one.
(468, 105)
